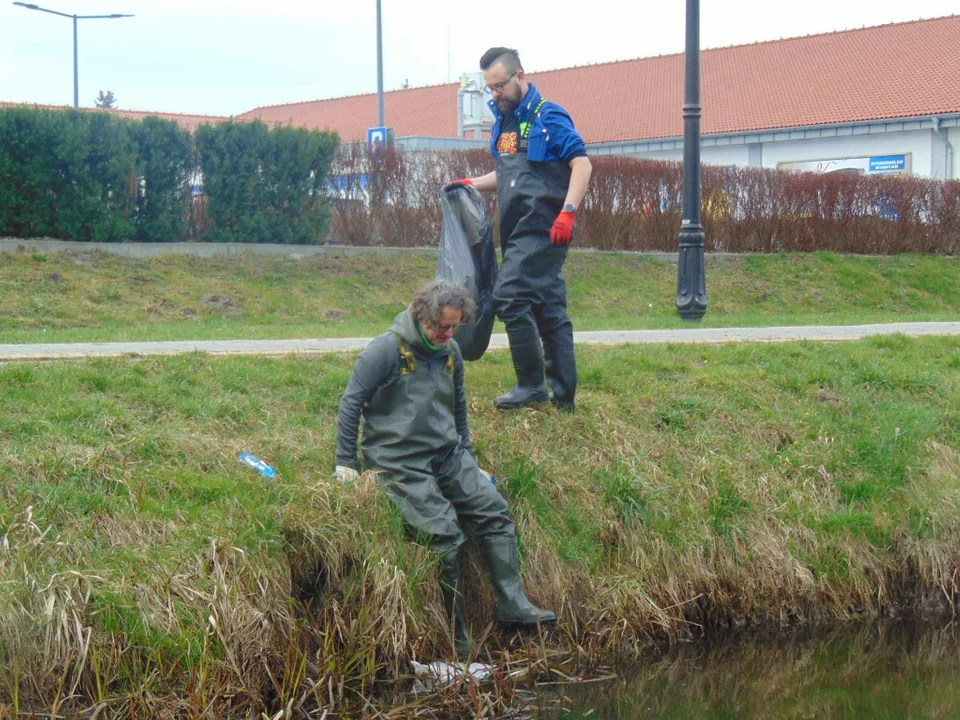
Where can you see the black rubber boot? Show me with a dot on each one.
(561, 368)
(451, 572)
(513, 607)
(528, 364)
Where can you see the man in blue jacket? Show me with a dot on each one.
(541, 175)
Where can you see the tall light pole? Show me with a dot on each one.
(76, 73)
(691, 274)
(380, 122)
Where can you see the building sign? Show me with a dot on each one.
(379, 138)
(887, 164)
(876, 165)
(376, 136)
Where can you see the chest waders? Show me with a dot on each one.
(531, 293)
(410, 437)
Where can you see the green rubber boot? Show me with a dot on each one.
(451, 572)
(527, 358)
(513, 607)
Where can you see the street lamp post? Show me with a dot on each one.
(380, 118)
(76, 72)
(691, 274)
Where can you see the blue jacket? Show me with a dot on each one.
(552, 137)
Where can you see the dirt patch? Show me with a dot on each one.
(56, 277)
(139, 280)
(87, 258)
(221, 303)
(826, 396)
(330, 266)
(79, 260)
(161, 307)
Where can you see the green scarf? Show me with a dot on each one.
(430, 346)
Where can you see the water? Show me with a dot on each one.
(889, 671)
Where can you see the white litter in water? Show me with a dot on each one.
(447, 673)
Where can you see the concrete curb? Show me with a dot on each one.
(141, 251)
(824, 333)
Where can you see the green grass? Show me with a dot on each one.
(694, 483)
(80, 297)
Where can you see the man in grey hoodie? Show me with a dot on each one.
(407, 388)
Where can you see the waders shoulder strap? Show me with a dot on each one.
(525, 126)
(407, 362)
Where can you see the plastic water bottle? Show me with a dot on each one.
(257, 464)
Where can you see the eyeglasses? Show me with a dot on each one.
(444, 329)
(498, 88)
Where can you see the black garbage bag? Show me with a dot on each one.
(467, 258)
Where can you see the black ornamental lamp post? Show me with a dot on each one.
(691, 274)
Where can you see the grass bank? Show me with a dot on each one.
(146, 572)
(96, 297)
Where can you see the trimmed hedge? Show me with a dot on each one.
(265, 185)
(91, 175)
(166, 162)
(94, 176)
(635, 204)
(66, 174)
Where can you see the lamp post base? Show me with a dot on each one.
(691, 276)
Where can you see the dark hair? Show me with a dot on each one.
(433, 297)
(508, 56)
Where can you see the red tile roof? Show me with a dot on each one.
(187, 122)
(890, 71)
(427, 111)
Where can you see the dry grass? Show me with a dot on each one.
(144, 572)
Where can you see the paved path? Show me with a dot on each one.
(605, 337)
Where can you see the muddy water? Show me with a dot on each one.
(892, 671)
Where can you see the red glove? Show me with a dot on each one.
(562, 231)
(458, 183)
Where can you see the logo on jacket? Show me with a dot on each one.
(507, 143)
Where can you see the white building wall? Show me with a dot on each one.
(943, 166)
(938, 155)
(723, 155)
(954, 137)
(927, 151)
(916, 143)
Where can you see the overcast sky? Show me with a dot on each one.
(223, 57)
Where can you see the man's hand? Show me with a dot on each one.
(345, 474)
(463, 182)
(562, 231)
